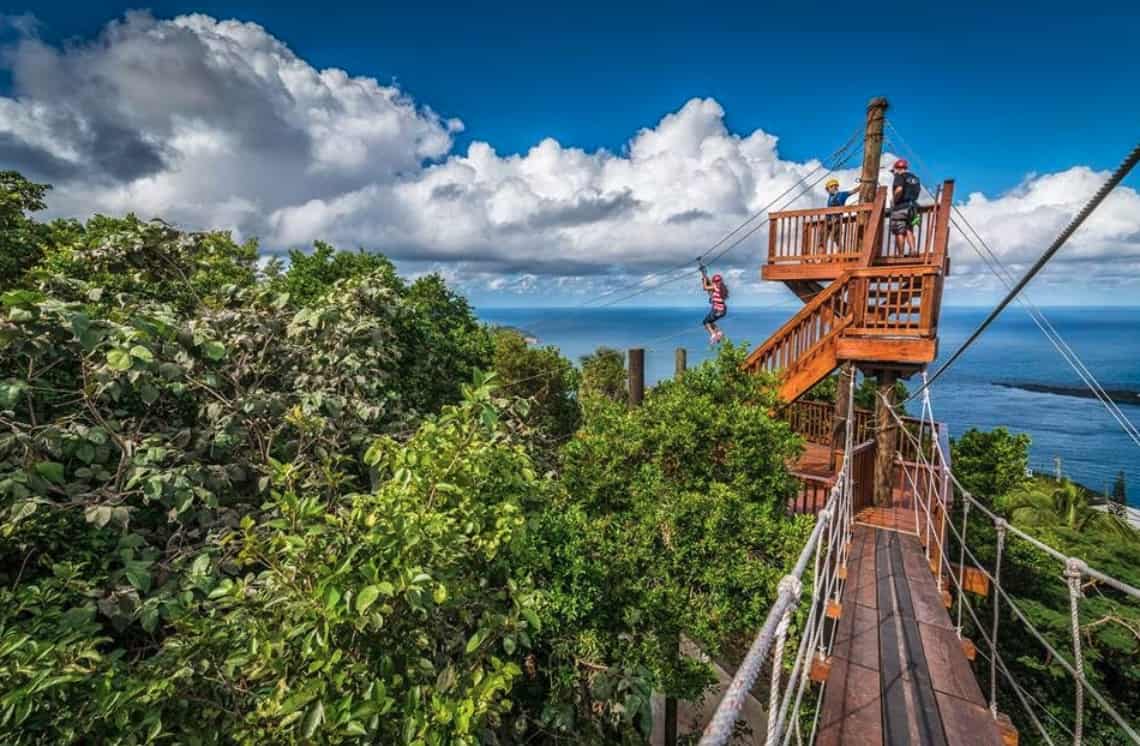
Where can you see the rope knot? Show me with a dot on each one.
(825, 515)
(1001, 525)
(791, 585)
(1075, 568)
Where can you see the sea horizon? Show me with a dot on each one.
(1092, 447)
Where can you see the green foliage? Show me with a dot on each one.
(311, 276)
(243, 508)
(1119, 496)
(127, 260)
(604, 378)
(546, 380)
(672, 522)
(21, 238)
(866, 393)
(990, 464)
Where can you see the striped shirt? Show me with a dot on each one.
(716, 298)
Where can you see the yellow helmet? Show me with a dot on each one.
(831, 183)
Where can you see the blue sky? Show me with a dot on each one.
(990, 95)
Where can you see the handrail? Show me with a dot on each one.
(812, 308)
(809, 212)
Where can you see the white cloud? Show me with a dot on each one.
(218, 123)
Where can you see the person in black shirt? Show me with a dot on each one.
(904, 208)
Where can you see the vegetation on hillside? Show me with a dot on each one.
(323, 504)
(993, 467)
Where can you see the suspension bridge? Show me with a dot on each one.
(869, 624)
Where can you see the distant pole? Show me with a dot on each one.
(1057, 466)
(636, 376)
(680, 361)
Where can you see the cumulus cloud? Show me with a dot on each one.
(219, 124)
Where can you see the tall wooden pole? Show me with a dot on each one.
(872, 149)
(868, 184)
(886, 436)
(680, 361)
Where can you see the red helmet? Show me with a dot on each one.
(716, 278)
(901, 163)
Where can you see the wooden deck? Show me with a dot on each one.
(898, 673)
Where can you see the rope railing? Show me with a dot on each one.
(826, 550)
(1075, 572)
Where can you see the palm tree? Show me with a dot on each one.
(1065, 505)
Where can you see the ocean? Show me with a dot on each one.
(1091, 446)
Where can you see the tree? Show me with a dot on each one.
(671, 519)
(604, 377)
(1064, 504)
(990, 464)
(21, 238)
(310, 276)
(546, 380)
(1119, 498)
(145, 261)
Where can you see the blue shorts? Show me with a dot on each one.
(715, 315)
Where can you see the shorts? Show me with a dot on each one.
(714, 315)
(903, 218)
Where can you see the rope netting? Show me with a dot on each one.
(1075, 573)
(826, 551)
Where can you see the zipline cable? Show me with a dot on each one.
(1117, 176)
(994, 264)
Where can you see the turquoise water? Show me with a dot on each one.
(1091, 445)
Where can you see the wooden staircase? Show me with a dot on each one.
(880, 307)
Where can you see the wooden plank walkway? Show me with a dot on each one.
(898, 673)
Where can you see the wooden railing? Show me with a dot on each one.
(814, 420)
(820, 236)
(812, 495)
(930, 235)
(824, 316)
(895, 301)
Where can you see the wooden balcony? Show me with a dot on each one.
(823, 243)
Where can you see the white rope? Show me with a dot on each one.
(1074, 571)
(777, 666)
(962, 561)
(1002, 527)
(999, 525)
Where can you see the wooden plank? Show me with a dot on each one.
(949, 672)
(814, 211)
(925, 599)
(879, 350)
(816, 270)
(910, 709)
(967, 723)
(857, 638)
(850, 714)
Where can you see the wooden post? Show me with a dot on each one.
(636, 376)
(680, 361)
(868, 185)
(886, 436)
(872, 149)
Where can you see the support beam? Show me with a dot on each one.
(886, 436)
(839, 425)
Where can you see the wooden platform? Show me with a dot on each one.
(898, 674)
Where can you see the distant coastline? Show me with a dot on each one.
(1120, 396)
